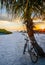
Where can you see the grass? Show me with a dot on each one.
(3, 31)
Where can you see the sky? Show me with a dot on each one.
(16, 24)
(6, 23)
(11, 26)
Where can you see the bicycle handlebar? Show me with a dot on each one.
(26, 39)
(25, 35)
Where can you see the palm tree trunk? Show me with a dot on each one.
(30, 33)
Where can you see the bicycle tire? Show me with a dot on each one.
(33, 57)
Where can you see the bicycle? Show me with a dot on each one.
(31, 50)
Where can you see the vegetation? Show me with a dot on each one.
(28, 9)
(3, 31)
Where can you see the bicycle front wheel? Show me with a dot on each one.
(34, 57)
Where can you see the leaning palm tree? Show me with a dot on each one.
(29, 9)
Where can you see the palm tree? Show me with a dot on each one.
(29, 9)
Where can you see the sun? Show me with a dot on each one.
(39, 26)
(42, 27)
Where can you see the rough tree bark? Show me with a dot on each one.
(30, 33)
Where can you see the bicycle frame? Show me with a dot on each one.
(31, 50)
